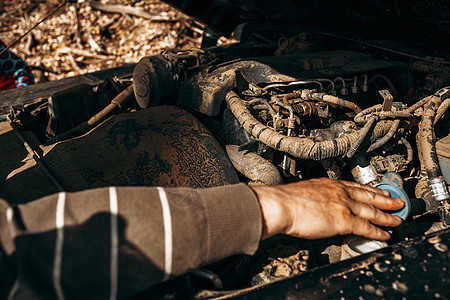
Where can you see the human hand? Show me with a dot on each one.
(320, 208)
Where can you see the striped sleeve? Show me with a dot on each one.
(115, 242)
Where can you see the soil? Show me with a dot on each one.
(78, 38)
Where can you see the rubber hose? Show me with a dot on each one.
(380, 142)
(426, 139)
(360, 119)
(409, 150)
(441, 110)
(298, 147)
(253, 166)
(312, 95)
(362, 135)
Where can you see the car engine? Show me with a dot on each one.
(281, 105)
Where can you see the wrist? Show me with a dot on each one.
(275, 215)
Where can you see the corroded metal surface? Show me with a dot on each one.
(163, 146)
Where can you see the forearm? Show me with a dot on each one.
(134, 237)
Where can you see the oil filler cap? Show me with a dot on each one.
(392, 182)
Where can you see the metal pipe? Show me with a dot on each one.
(327, 80)
(84, 127)
(339, 79)
(365, 78)
(291, 126)
(300, 82)
(355, 85)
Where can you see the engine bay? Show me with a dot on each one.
(301, 106)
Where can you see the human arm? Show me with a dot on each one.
(83, 244)
(161, 233)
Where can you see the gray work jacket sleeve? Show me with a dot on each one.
(114, 242)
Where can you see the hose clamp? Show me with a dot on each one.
(439, 189)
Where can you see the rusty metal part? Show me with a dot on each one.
(392, 163)
(380, 142)
(265, 103)
(362, 135)
(253, 166)
(119, 101)
(332, 168)
(35, 156)
(305, 109)
(295, 146)
(287, 97)
(364, 115)
(387, 100)
(426, 139)
(312, 95)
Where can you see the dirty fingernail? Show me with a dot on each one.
(399, 201)
(399, 220)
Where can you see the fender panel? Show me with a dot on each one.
(164, 146)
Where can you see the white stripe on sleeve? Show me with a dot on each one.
(57, 262)
(167, 232)
(114, 268)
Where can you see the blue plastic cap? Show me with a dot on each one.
(397, 192)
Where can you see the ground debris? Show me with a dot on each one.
(79, 38)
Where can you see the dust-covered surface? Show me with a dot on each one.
(66, 45)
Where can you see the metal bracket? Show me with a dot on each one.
(388, 99)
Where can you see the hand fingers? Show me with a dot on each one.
(374, 215)
(365, 187)
(378, 200)
(363, 227)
